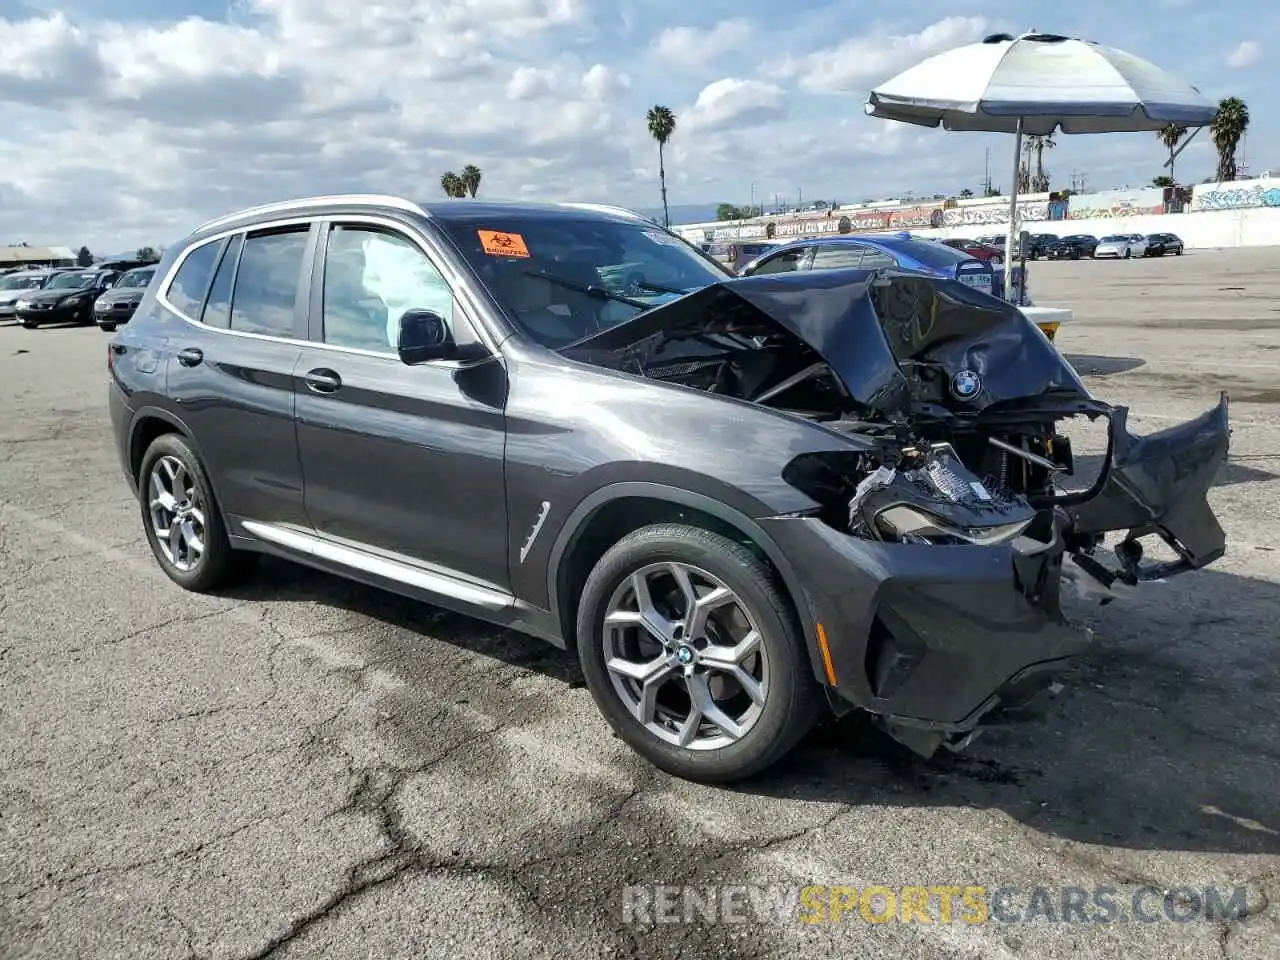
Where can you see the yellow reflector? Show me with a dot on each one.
(827, 665)
(1049, 329)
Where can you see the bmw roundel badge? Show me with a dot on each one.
(966, 385)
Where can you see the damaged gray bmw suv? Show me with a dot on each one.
(741, 501)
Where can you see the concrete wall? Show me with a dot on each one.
(1262, 192)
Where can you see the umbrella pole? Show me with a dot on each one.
(1013, 216)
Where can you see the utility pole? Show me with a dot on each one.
(752, 206)
(986, 175)
(799, 198)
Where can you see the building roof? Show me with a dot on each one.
(12, 256)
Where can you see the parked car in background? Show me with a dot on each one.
(1121, 246)
(871, 252)
(735, 253)
(1158, 244)
(1075, 246)
(66, 298)
(17, 284)
(977, 249)
(117, 305)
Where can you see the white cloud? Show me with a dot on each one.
(1244, 53)
(690, 47)
(123, 132)
(856, 64)
(732, 102)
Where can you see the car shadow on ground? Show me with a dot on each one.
(1166, 737)
(1088, 365)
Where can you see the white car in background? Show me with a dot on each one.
(1122, 246)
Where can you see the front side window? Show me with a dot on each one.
(187, 288)
(786, 262)
(266, 286)
(371, 278)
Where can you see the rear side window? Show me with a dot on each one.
(266, 284)
(187, 288)
(932, 254)
(877, 260)
(844, 256)
(217, 309)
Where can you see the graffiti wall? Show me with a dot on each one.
(995, 212)
(1116, 204)
(1237, 195)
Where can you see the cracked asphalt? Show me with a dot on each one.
(310, 768)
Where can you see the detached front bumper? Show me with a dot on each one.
(932, 638)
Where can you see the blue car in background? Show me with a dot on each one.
(870, 252)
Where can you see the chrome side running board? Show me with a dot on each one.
(401, 571)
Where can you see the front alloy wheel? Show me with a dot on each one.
(685, 657)
(694, 654)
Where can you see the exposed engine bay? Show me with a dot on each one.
(955, 399)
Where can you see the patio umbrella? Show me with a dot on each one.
(1036, 84)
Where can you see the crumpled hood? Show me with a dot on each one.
(865, 325)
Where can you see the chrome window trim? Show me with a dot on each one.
(303, 203)
(462, 292)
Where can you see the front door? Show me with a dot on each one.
(403, 460)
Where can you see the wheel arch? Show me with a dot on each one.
(147, 424)
(612, 512)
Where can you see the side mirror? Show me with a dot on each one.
(424, 336)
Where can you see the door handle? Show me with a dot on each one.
(322, 380)
(191, 356)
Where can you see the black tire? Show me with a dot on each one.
(793, 699)
(30, 324)
(218, 565)
(1178, 252)
(1128, 253)
(108, 327)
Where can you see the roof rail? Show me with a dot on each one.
(302, 203)
(607, 208)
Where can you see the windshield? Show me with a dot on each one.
(21, 283)
(137, 278)
(70, 281)
(562, 277)
(932, 254)
(1116, 239)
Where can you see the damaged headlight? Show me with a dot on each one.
(933, 498)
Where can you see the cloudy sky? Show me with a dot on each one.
(128, 122)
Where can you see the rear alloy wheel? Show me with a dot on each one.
(694, 655)
(181, 517)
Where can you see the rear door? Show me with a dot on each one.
(232, 369)
(406, 461)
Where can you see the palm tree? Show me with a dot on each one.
(1171, 135)
(1037, 144)
(966, 193)
(452, 185)
(471, 179)
(1228, 127)
(662, 124)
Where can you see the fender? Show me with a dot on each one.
(581, 515)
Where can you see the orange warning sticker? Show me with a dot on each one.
(498, 243)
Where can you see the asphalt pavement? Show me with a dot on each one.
(305, 767)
